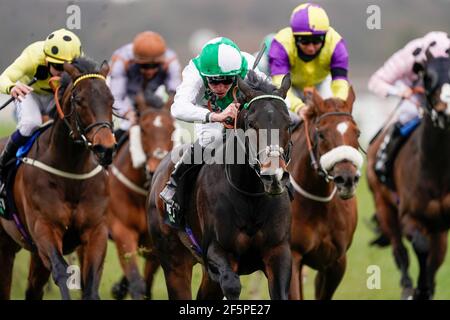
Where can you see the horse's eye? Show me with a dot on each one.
(320, 135)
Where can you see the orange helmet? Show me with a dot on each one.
(148, 46)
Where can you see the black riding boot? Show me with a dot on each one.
(169, 194)
(392, 143)
(9, 151)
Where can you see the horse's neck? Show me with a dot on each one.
(124, 163)
(65, 153)
(245, 178)
(434, 149)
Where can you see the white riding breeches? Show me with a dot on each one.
(30, 111)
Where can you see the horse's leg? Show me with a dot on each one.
(390, 225)
(49, 243)
(120, 289)
(151, 266)
(8, 250)
(127, 246)
(37, 278)
(438, 249)
(209, 289)
(94, 242)
(178, 274)
(328, 280)
(219, 267)
(296, 281)
(278, 265)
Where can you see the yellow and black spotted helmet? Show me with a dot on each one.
(62, 45)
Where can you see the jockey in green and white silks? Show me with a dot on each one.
(208, 80)
(211, 77)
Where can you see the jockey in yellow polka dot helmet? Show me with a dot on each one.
(313, 52)
(62, 45)
(40, 60)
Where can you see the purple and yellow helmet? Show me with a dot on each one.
(309, 19)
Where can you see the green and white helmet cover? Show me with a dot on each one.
(221, 57)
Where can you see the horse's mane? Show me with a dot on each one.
(257, 83)
(84, 65)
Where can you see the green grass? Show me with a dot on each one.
(353, 286)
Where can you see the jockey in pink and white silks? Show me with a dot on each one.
(397, 77)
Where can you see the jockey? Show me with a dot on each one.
(208, 79)
(142, 66)
(397, 77)
(311, 50)
(42, 57)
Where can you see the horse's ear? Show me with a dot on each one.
(350, 98)
(312, 98)
(285, 85)
(246, 90)
(71, 70)
(104, 68)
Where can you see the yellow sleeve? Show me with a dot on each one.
(340, 87)
(20, 68)
(295, 102)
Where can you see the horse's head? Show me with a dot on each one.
(157, 127)
(334, 134)
(266, 113)
(87, 107)
(436, 80)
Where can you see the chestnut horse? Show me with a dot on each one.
(325, 170)
(127, 220)
(62, 203)
(419, 208)
(238, 213)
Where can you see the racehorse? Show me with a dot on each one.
(61, 191)
(237, 215)
(127, 220)
(325, 170)
(419, 208)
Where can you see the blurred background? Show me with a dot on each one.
(186, 25)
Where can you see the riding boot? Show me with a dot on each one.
(15, 141)
(392, 143)
(169, 194)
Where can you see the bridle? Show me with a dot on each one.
(82, 130)
(253, 156)
(312, 148)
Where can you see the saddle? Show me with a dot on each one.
(7, 206)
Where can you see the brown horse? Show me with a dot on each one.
(419, 208)
(65, 209)
(323, 223)
(126, 215)
(238, 213)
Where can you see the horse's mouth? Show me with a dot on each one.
(273, 185)
(346, 193)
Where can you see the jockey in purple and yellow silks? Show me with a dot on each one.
(311, 51)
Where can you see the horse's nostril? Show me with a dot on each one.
(356, 179)
(339, 180)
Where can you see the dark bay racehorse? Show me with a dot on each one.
(239, 213)
(127, 220)
(65, 209)
(324, 173)
(420, 207)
